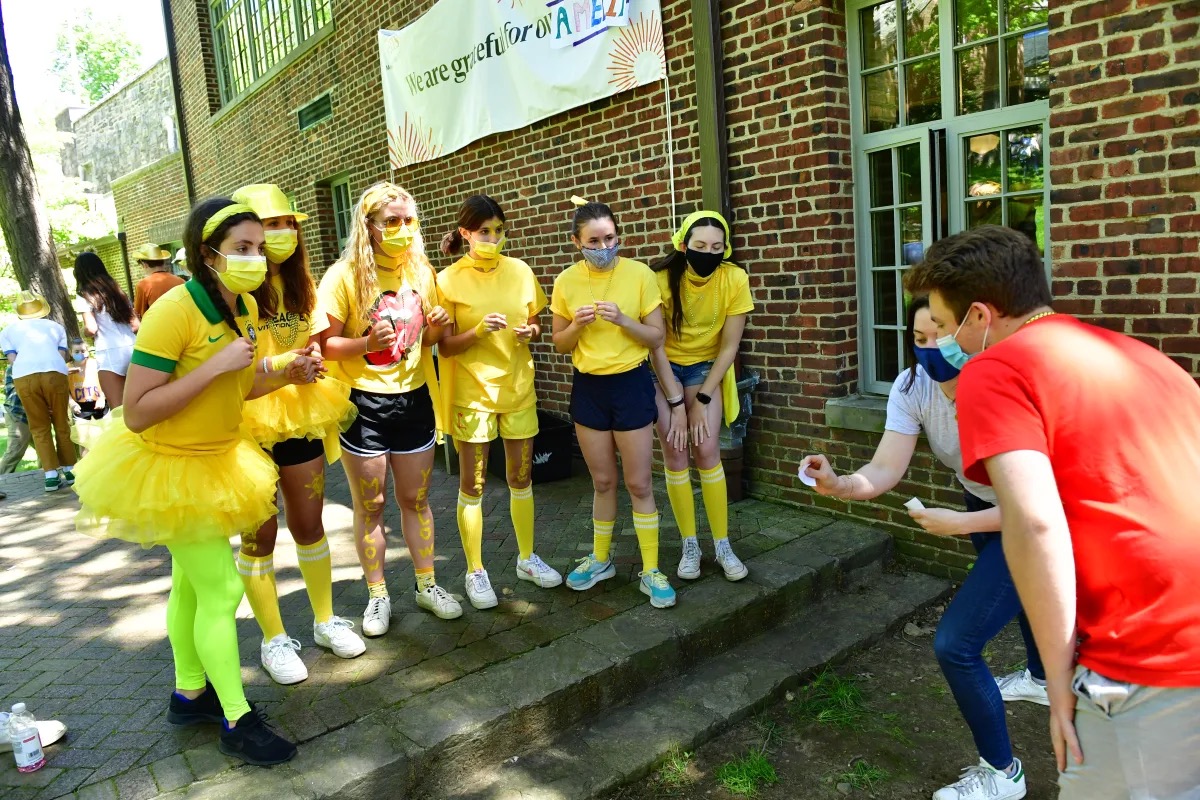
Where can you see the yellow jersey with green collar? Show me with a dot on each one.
(181, 331)
(604, 348)
(706, 304)
(495, 374)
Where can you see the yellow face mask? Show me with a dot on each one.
(487, 251)
(396, 240)
(280, 245)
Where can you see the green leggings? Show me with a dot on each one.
(201, 622)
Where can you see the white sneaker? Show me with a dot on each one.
(440, 602)
(336, 635)
(735, 570)
(689, 562)
(479, 591)
(281, 660)
(1021, 686)
(983, 782)
(49, 731)
(378, 616)
(536, 571)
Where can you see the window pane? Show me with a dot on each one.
(984, 212)
(978, 78)
(912, 232)
(878, 34)
(910, 173)
(1020, 14)
(880, 166)
(886, 293)
(921, 27)
(1028, 65)
(882, 111)
(1025, 170)
(883, 238)
(923, 91)
(887, 355)
(981, 156)
(974, 19)
(1025, 214)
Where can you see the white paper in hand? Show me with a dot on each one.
(915, 505)
(806, 479)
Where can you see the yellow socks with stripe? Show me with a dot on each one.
(258, 576)
(602, 538)
(317, 570)
(470, 529)
(646, 527)
(683, 504)
(520, 507)
(425, 579)
(716, 501)
(378, 589)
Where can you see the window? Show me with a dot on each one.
(340, 189)
(252, 36)
(949, 113)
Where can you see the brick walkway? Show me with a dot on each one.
(84, 636)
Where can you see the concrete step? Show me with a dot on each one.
(624, 745)
(474, 722)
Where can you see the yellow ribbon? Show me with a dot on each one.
(695, 217)
(225, 213)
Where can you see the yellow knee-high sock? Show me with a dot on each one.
(317, 570)
(602, 538)
(716, 501)
(520, 507)
(470, 529)
(646, 527)
(258, 576)
(683, 504)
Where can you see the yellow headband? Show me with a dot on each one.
(695, 217)
(225, 213)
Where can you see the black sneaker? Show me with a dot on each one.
(254, 742)
(205, 708)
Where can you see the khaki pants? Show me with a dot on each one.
(1139, 742)
(44, 396)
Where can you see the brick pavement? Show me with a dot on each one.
(84, 635)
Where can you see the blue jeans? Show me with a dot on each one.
(690, 375)
(985, 603)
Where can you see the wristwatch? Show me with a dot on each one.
(703, 398)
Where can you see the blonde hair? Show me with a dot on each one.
(359, 255)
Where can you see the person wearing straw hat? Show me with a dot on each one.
(159, 279)
(298, 426)
(36, 349)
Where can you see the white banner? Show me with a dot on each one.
(469, 68)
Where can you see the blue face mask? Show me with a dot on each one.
(951, 351)
(935, 364)
(601, 257)
(78, 356)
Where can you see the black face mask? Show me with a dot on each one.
(704, 264)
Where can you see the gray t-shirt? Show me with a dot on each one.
(924, 407)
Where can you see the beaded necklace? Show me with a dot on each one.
(687, 300)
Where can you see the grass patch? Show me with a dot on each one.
(673, 772)
(831, 700)
(898, 735)
(863, 775)
(744, 776)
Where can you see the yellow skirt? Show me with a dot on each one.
(318, 410)
(129, 491)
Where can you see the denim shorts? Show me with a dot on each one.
(691, 375)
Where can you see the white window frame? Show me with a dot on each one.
(341, 229)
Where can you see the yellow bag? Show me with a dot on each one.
(729, 396)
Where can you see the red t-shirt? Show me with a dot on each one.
(1120, 423)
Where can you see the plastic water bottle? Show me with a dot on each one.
(26, 742)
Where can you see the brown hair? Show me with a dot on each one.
(990, 264)
(590, 212)
(475, 211)
(299, 290)
(675, 263)
(98, 288)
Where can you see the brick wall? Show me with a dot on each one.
(149, 197)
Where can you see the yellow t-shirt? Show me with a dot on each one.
(288, 330)
(181, 331)
(706, 304)
(85, 382)
(603, 348)
(496, 373)
(392, 371)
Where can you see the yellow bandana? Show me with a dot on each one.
(695, 217)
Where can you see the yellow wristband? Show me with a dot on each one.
(481, 329)
(279, 362)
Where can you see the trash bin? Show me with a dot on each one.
(552, 449)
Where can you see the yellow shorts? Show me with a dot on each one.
(474, 426)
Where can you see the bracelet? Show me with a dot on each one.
(703, 398)
(676, 403)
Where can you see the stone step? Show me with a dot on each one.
(624, 745)
(527, 701)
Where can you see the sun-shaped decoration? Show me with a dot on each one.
(513, 3)
(409, 144)
(637, 56)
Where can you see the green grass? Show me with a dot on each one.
(831, 700)
(673, 772)
(863, 775)
(744, 776)
(897, 734)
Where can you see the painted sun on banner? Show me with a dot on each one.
(469, 68)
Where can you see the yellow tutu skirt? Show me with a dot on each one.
(129, 491)
(318, 410)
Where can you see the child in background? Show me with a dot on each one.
(87, 401)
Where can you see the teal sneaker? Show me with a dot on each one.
(590, 572)
(656, 585)
(68, 477)
(54, 484)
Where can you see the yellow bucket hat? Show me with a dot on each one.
(150, 252)
(32, 306)
(267, 200)
(695, 217)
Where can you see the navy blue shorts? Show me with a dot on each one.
(621, 402)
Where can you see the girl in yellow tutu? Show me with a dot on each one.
(493, 302)
(384, 316)
(296, 425)
(175, 470)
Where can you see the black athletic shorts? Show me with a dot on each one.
(390, 423)
(292, 452)
(621, 402)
